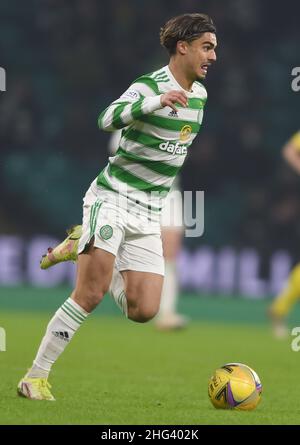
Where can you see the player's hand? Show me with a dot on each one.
(171, 97)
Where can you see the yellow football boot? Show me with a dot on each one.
(35, 389)
(65, 251)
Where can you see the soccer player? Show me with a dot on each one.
(171, 230)
(285, 301)
(120, 248)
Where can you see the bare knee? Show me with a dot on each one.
(143, 293)
(142, 313)
(88, 298)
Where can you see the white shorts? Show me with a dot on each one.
(172, 214)
(129, 236)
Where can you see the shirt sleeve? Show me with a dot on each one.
(139, 99)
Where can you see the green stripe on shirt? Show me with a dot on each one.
(136, 109)
(149, 82)
(194, 103)
(169, 124)
(156, 166)
(134, 181)
(117, 121)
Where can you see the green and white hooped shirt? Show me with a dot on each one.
(155, 140)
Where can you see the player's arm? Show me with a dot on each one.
(138, 100)
(291, 152)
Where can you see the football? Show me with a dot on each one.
(235, 386)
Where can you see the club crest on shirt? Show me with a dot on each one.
(185, 133)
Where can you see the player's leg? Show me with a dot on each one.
(168, 317)
(143, 293)
(284, 302)
(67, 251)
(94, 273)
(137, 294)
(95, 268)
(138, 276)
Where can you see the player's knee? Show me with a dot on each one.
(143, 313)
(142, 305)
(94, 298)
(89, 298)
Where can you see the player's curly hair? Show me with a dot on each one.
(185, 27)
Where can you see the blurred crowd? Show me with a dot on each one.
(67, 60)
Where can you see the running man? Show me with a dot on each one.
(120, 248)
(172, 231)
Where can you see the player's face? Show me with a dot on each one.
(201, 54)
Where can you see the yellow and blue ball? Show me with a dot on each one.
(235, 386)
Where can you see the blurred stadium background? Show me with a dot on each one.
(65, 62)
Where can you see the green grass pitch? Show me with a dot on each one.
(119, 372)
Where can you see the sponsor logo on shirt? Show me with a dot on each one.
(175, 149)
